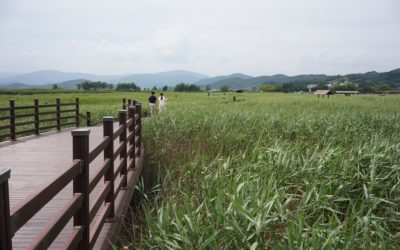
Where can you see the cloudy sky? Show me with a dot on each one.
(213, 37)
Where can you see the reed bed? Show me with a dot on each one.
(272, 172)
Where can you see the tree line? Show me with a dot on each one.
(97, 86)
(337, 86)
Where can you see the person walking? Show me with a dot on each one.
(162, 102)
(152, 102)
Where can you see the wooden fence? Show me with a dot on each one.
(36, 111)
(83, 235)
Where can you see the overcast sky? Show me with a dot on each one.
(213, 37)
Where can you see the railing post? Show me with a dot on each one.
(12, 119)
(138, 106)
(131, 115)
(77, 121)
(108, 130)
(129, 102)
(124, 103)
(5, 225)
(80, 151)
(36, 103)
(58, 107)
(123, 154)
(88, 119)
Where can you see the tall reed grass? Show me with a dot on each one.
(272, 171)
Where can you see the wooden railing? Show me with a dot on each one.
(14, 113)
(125, 104)
(84, 233)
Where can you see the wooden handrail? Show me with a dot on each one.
(26, 131)
(103, 170)
(26, 209)
(99, 149)
(24, 123)
(57, 223)
(25, 107)
(101, 196)
(40, 111)
(74, 238)
(118, 169)
(5, 117)
(129, 122)
(24, 115)
(47, 105)
(118, 151)
(85, 233)
(99, 224)
(118, 132)
(48, 127)
(5, 127)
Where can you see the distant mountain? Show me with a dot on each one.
(161, 79)
(44, 77)
(51, 76)
(63, 85)
(255, 82)
(7, 74)
(391, 78)
(18, 86)
(211, 80)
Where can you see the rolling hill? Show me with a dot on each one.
(391, 78)
(44, 77)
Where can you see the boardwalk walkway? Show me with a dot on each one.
(34, 161)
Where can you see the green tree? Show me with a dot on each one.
(383, 87)
(182, 87)
(224, 88)
(96, 86)
(55, 86)
(127, 87)
(208, 88)
(270, 87)
(165, 88)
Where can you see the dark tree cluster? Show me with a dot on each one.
(182, 87)
(127, 87)
(96, 86)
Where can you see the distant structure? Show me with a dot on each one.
(389, 91)
(239, 90)
(310, 87)
(347, 92)
(327, 92)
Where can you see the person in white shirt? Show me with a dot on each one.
(162, 103)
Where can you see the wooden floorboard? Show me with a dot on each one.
(38, 159)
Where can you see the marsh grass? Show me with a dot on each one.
(274, 171)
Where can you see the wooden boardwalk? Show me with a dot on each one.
(36, 160)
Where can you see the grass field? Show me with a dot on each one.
(271, 171)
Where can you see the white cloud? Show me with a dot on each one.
(213, 37)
